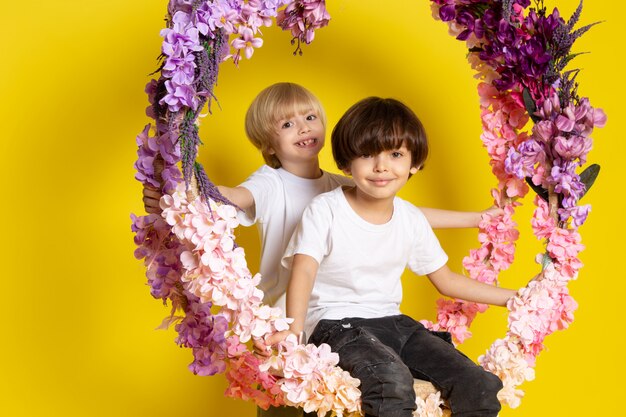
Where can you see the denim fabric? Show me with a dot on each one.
(279, 412)
(387, 353)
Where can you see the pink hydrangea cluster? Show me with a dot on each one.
(310, 378)
(539, 309)
(431, 406)
(503, 117)
(505, 359)
(215, 271)
(547, 157)
(246, 379)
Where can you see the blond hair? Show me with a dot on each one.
(276, 102)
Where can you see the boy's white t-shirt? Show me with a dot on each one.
(360, 264)
(280, 197)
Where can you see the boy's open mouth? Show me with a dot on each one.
(307, 142)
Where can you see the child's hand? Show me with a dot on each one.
(151, 198)
(263, 347)
(493, 211)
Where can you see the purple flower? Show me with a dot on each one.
(179, 5)
(179, 96)
(160, 251)
(146, 152)
(447, 12)
(565, 179)
(182, 37)
(473, 25)
(534, 59)
(573, 147)
(521, 162)
(205, 334)
(180, 67)
(578, 214)
(220, 14)
(544, 131)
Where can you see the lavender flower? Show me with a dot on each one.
(521, 162)
(565, 180)
(160, 251)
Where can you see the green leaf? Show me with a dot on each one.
(588, 177)
(541, 192)
(531, 107)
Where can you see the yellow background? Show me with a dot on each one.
(78, 332)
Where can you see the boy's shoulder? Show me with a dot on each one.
(409, 212)
(328, 198)
(339, 179)
(327, 202)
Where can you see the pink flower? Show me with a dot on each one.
(505, 359)
(429, 407)
(543, 224)
(564, 246)
(246, 41)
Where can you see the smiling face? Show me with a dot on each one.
(268, 114)
(379, 177)
(299, 138)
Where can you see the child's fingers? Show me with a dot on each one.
(261, 348)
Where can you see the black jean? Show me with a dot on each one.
(387, 353)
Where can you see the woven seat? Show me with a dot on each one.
(423, 389)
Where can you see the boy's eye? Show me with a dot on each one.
(397, 154)
(366, 155)
(287, 125)
(311, 117)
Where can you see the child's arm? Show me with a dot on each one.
(449, 219)
(455, 285)
(239, 196)
(303, 272)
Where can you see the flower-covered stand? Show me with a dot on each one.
(537, 133)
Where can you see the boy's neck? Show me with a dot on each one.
(309, 170)
(372, 210)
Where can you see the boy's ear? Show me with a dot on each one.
(414, 170)
(346, 171)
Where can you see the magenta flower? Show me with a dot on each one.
(302, 18)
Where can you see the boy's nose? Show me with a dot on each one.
(304, 127)
(379, 164)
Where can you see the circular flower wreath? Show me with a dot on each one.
(519, 53)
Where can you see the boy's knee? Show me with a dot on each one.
(389, 391)
(481, 396)
(488, 386)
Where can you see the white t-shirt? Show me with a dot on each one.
(280, 197)
(360, 264)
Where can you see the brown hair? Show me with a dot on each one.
(376, 124)
(274, 103)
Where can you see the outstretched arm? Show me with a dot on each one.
(239, 196)
(455, 285)
(450, 219)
